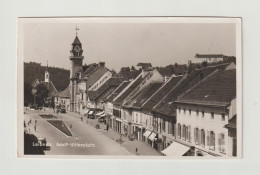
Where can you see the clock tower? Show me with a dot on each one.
(76, 56)
(76, 59)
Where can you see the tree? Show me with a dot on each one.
(41, 94)
(28, 97)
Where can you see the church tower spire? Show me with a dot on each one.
(76, 57)
(47, 75)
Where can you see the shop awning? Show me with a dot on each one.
(86, 111)
(100, 113)
(103, 115)
(152, 136)
(90, 112)
(175, 149)
(147, 133)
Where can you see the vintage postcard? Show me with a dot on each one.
(129, 87)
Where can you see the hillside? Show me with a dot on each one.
(59, 76)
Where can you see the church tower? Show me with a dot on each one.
(47, 75)
(76, 56)
(76, 59)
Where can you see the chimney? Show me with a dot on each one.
(102, 64)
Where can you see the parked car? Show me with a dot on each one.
(63, 109)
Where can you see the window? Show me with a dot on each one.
(184, 132)
(189, 111)
(202, 114)
(212, 140)
(179, 130)
(163, 125)
(196, 135)
(212, 115)
(202, 137)
(222, 117)
(189, 131)
(221, 142)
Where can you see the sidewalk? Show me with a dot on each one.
(143, 149)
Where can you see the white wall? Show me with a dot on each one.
(206, 123)
(101, 81)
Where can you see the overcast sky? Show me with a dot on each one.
(123, 44)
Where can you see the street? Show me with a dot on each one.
(86, 140)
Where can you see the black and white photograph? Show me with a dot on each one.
(129, 87)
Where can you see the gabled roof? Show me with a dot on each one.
(121, 98)
(51, 88)
(76, 41)
(219, 89)
(156, 97)
(110, 85)
(143, 95)
(65, 93)
(119, 89)
(165, 71)
(166, 106)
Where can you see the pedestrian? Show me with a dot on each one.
(24, 124)
(81, 118)
(107, 127)
(35, 128)
(35, 122)
(136, 150)
(30, 121)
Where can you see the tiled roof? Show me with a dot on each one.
(51, 88)
(65, 93)
(76, 41)
(119, 89)
(166, 105)
(121, 98)
(143, 95)
(217, 89)
(232, 123)
(109, 85)
(165, 71)
(89, 70)
(156, 97)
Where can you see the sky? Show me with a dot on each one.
(123, 42)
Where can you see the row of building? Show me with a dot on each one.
(193, 114)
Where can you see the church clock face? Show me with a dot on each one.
(77, 48)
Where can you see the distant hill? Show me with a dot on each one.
(59, 76)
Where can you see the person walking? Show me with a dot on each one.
(35, 122)
(107, 127)
(35, 128)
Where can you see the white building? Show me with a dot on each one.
(209, 58)
(202, 113)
